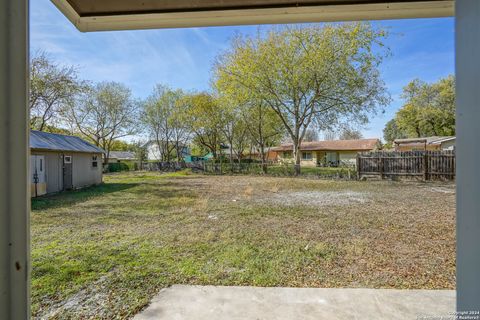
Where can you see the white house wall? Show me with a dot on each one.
(153, 152)
(348, 157)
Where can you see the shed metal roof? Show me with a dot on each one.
(427, 140)
(122, 155)
(58, 142)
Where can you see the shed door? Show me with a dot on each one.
(37, 171)
(67, 172)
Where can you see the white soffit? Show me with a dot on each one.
(102, 15)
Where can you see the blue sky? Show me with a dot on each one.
(182, 58)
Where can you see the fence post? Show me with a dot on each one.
(380, 159)
(358, 166)
(425, 164)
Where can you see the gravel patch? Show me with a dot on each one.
(89, 301)
(448, 190)
(317, 198)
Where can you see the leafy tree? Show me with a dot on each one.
(248, 120)
(163, 120)
(408, 120)
(51, 87)
(429, 110)
(315, 75)
(392, 132)
(205, 121)
(241, 139)
(264, 128)
(230, 123)
(103, 114)
(120, 145)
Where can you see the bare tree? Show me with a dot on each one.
(104, 113)
(348, 133)
(310, 135)
(181, 131)
(329, 135)
(156, 114)
(164, 117)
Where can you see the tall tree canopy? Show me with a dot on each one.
(429, 110)
(309, 76)
(104, 113)
(205, 121)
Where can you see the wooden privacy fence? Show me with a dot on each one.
(426, 165)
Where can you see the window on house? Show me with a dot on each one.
(287, 154)
(94, 162)
(306, 156)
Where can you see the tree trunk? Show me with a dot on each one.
(264, 162)
(231, 158)
(296, 156)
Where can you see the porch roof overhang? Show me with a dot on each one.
(102, 15)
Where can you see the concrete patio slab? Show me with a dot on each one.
(212, 302)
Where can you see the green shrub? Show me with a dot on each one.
(118, 167)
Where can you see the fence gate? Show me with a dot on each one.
(425, 165)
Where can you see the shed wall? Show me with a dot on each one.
(84, 174)
(53, 170)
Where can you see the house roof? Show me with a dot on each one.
(122, 155)
(58, 142)
(333, 145)
(426, 140)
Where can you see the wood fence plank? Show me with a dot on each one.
(429, 164)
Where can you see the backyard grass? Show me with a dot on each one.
(104, 252)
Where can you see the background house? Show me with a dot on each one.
(434, 143)
(121, 156)
(270, 155)
(155, 154)
(59, 162)
(327, 153)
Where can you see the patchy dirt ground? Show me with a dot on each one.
(102, 253)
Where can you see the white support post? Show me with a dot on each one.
(468, 153)
(14, 155)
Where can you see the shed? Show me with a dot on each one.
(59, 162)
